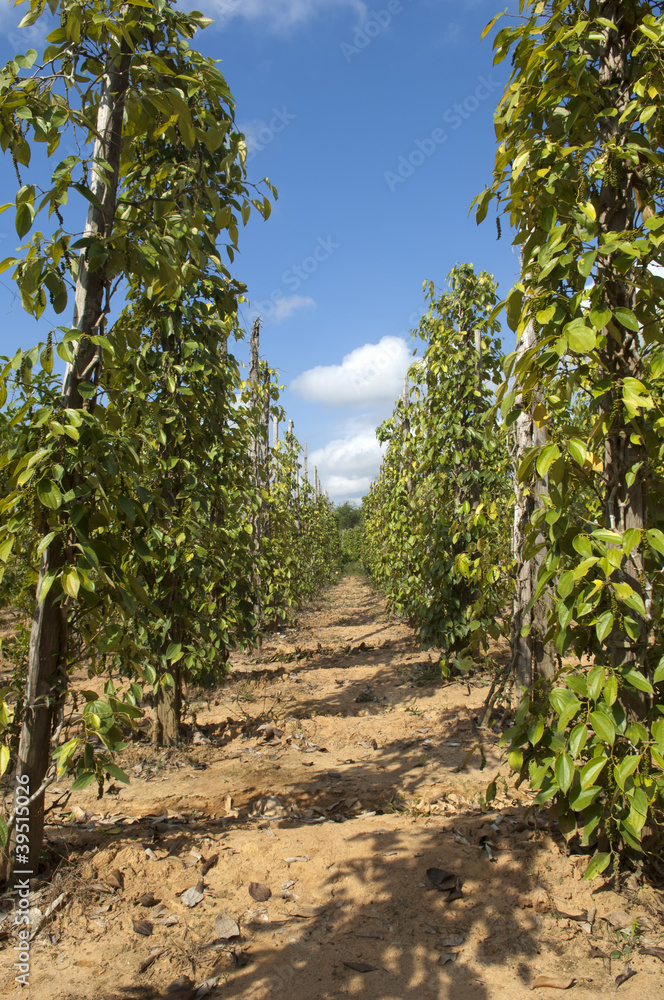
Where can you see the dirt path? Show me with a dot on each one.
(327, 770)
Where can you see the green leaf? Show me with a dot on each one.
(519, 163)
(603, 627)
(127, 505)
(581, 544)
(655, 540)
(627, 318)
(598, 864)
(544, 316)
(49, 494)
(581, 339)
(584, 797)
(608, 536)
(548, 455)
(83, 780)
(591, 771)
(116, 772)
(578, 739)
(535, 731)
(566, 584)
(631, 538)
(626, 767)
(70, 582)
(603, 726)
(577, 450)
(514, 302)
(636, 680)
(630, 598)
(595, 681)
(658, 676)
(174, 652)
(4, 833)
(491, 24)
(600, 318)
(25, 214)
(586, 263)
(564, 771)
(610, 690)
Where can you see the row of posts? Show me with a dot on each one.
(260, 448)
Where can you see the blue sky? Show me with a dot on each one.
(374, 121)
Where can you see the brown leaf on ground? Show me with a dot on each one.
(442, 880)
(151, 958)
(209, 863)
(652, 950)
(225, 927)
(259, 892)
(115, 879)
(447, 956)
(193, 896)
(619, 919)
(626, 974)
(143, 927)
(147, 899)
(552, 982)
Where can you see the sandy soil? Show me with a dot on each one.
(334, 770)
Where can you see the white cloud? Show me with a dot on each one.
(279, 15)
(283, 308)
(276, 310)
(31, 36)
(372, 373)
(347, 466)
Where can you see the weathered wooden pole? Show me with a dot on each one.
(46, 679)
(530, 656)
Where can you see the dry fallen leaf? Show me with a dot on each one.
(452, 942)
(225, 927)
(626, 974)
(209, 863)
(552, 983)
(100, 887)
(194, 895)
(619, 919)
(653, 950)
(115, 879)
(442, 880)
(142, 927)
(152, 957)
(361, 967)
(147, 899)
(259, 892)
(446, 957)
